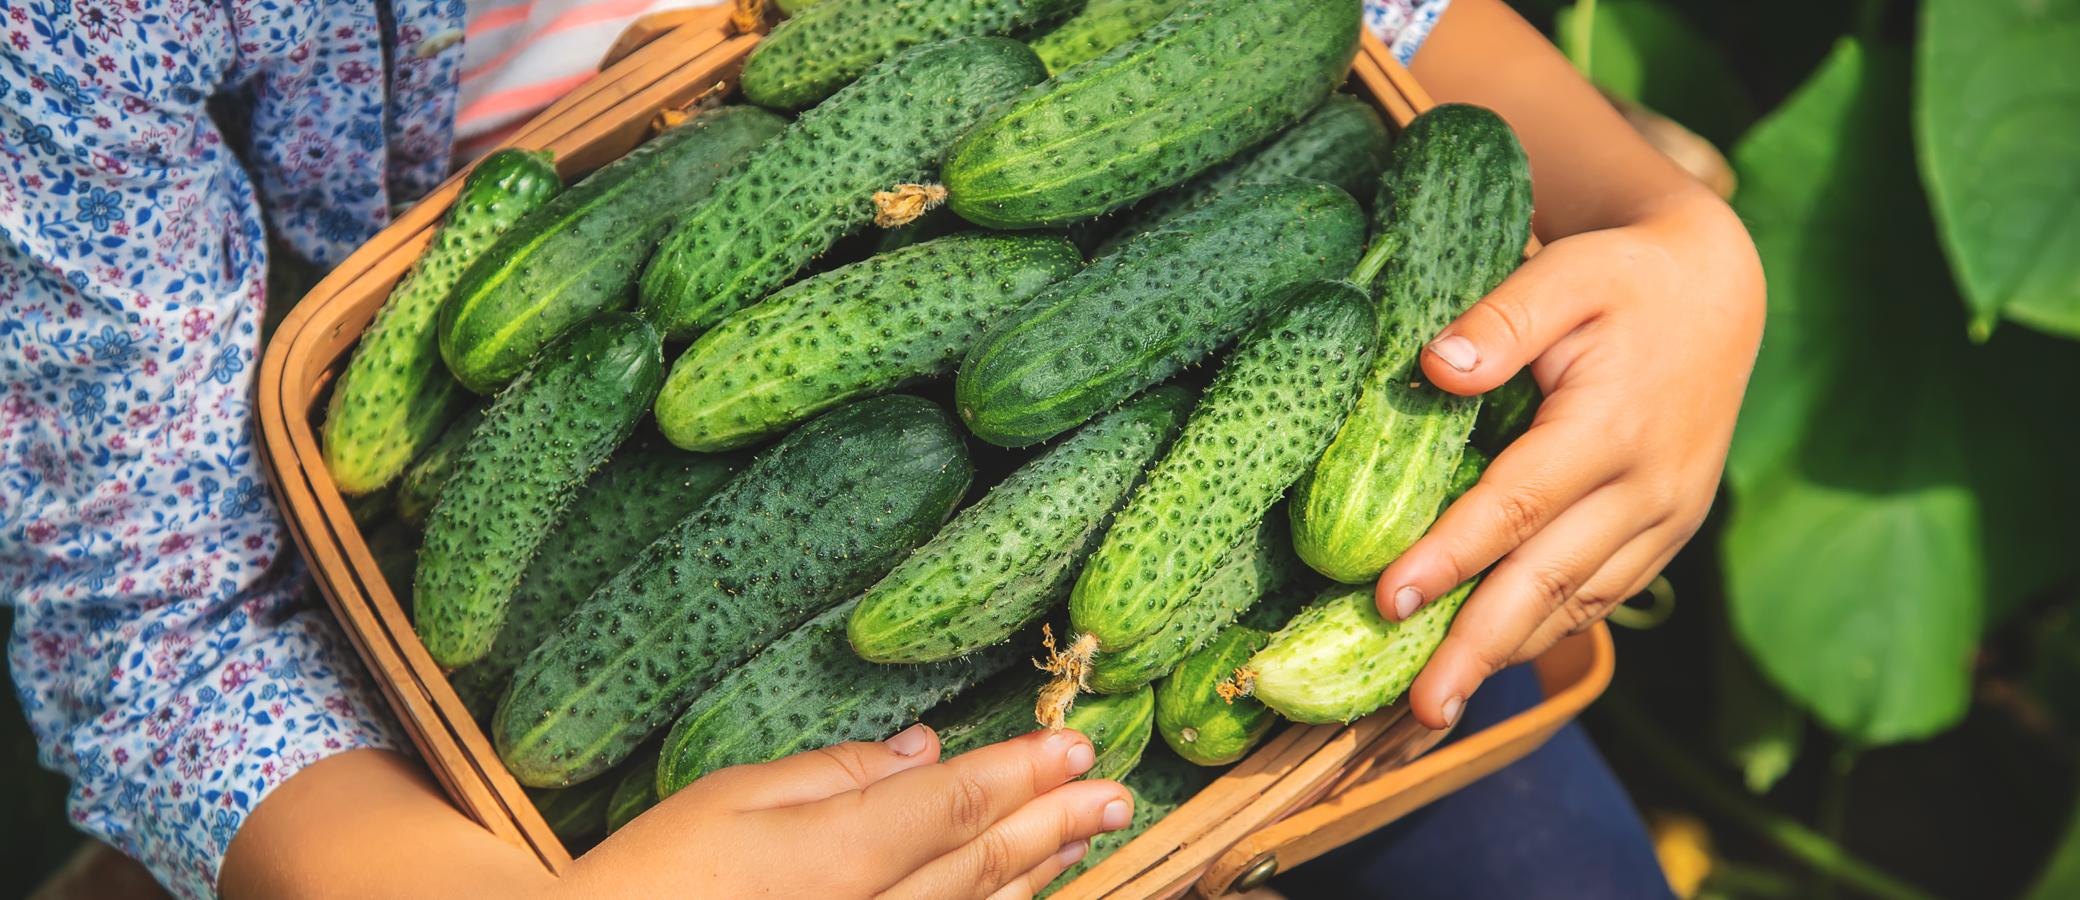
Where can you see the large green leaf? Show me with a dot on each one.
(1642, 51)
(1998, 94)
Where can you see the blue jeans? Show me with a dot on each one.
(1553, 824)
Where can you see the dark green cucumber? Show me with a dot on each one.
(1264, 419)
(815, 182)
(809, 690)
(539, 442)
(822, 49)
(645, 488)
(1163, 301)
(420, 488)
(1258, 571)
(1101, 26)
(1192, 716)
(395, 547)
(1343, 142)
(1506, 412)
(862, 329)
(1340, 659)
(1004, 562)
(1160, 784)
(395, 395)
(1119, 726)
(808, 523)
(577, 815)
(634, 795)
(1455, 212)
(578, 256)
(931, 226)
(1209, 80)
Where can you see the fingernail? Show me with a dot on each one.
(1117, 814)
(1405, 602)
(1071, 853)
(1457, 352)
(1452, 705)
(1081, 758)
(911, 741)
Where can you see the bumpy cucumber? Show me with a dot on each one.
(1212, 78)
(1160, 783)
(797, 7)
(420, 488)
(809, 690)
(809, 522)
(1119, 726)
(645, 488)
(395, 547)
(1002, 563)
(1164, 300)
(1340, 659)
(520, 470)
(395, 396)
(634, 794)
(1192, 716)
(1257, 571)
(816, 181)
(1455, 210)
(822, 49)
(1101, 26)
(1343, 142)
(862, 329)
(1267, 415)
(579, 255)
(577, 814)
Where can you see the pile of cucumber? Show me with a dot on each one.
(750, 476)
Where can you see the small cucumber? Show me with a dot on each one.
(862, 329)
(823, 49)
(1194, 719)
(578, 256)
(815, 183)
(634, 794)
(1101, 26)
(1209, 80)
(420, 488)
(1002, 563)
(540, 440)
(395, 396)
(1340, 659)
(577, 815)
(809, 690)
(809, 522)
(1119, 726)
(1160, 784)
(1254, 574)
(1163, 301)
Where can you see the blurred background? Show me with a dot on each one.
(1863, 677)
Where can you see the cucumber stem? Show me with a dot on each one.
(1373, 261)
(1071, 669)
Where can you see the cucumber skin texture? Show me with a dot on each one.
(420, 488)
(1340, 659)
(1456, 203)
(521, 468)
(796, 7)
(1192, 716)
(1208, 81)
(1160, 784)
(634, 794)
(1119, 725)
(1262, 422)
(809, 522)
(872, 326)
(578, 256)
(1261, 566)
(1163, 301)
(809, 690)
(1101, 26)
(824, 48)
(1343, 142)
(646, 487)
(395, 395)
(815, 182)
(1004, 562)
(577, 815)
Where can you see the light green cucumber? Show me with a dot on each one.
(1257, 571)
(1101, 26)
(1195, 719)
(819, 50)
(1340, 659)
(1119, 725)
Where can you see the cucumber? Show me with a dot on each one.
(1101, 26)
(815, 182)
(577, 815)
(578, 256)
(934, 224)
(808, 523)
(822, 49)
(540, 440)
(796, 7)
(645, 488)
(420, 488)
(395, 547)
(1343, 142)
(1340, 659)
(875, 325)
(1119, 726)
(1506, 412)
(809, 690)
(395, 396)
(634, 794)
(1194, 719)
(1455, 214)
(1263, 420)
(1256, 572)
(1164, 300)
(1002, 563)
(1211, 79)
(1160, 784)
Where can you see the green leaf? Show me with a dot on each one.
(1998, 130)
(1644, 52)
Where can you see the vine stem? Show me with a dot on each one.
(1809, 847)
(1372, 262)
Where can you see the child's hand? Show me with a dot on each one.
(1642, 337)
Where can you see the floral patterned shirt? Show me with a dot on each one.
(166, 648)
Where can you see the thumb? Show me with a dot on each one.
(1542, 302)
(820, 774)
